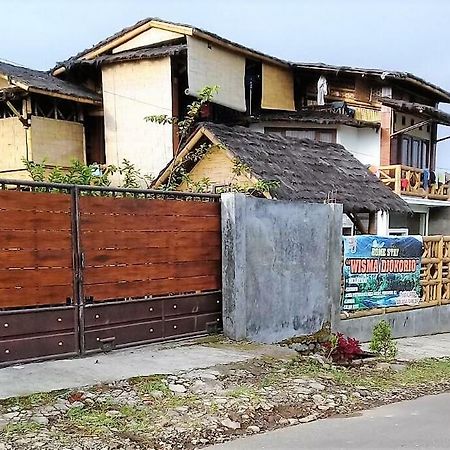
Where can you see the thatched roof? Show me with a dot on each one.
(148, 52)
(43, 82)
(311, 115)
(307, 170)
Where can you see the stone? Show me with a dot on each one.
(383, 366)
(231, 424)
(77, 405)
(157, 394)
(293, 421)
(309, 418)
(207, 386)
(177, 388)
(318, 399)
(40, 420)
(283, 421)
(113, 413)
(317, 386)
(253, 429)
(10, 415)
(397, 367)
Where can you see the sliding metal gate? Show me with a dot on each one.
(85, 269)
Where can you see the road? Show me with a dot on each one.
(417, 424)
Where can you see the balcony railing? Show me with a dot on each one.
(404, 180)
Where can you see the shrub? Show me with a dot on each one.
(382, 342)
(342, 349)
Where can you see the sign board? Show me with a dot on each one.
(381, 272)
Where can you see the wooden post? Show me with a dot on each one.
(440, 256)
(372, 223)
(398, 179)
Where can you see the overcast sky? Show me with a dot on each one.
(408, 35)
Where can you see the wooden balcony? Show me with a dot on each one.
(404, 180)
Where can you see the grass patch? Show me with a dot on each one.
(145, 385)
(244, 391)
(31, 401)
(19, 428)
(415, 373)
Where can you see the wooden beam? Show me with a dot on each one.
(412, 127)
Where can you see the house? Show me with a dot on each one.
(387, 119)
(42, 119)
(298, 169)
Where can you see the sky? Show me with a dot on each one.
(407, 35)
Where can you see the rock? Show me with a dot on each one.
(253, 429)
(157, 394)
(207, 386)
(77, 405)
(10, 415)
(113, 413)
(293, 421)
(301, 348)
(283, 421)
(382, 366)
(40, 420)
(309, 418)
(316, 386)
(231, 424)
(302, 390)
(318, 399)
(397, 367)
(177, 388)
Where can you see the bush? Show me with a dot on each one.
(382, 342)
(342, 349)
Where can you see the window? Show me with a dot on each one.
(315, 134)
(414, 152)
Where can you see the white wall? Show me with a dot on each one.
(131, 91)
(363, 143)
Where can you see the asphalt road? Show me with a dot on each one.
(417, 424)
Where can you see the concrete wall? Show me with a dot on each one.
(132, 91)
(281, 267)
(416, 322)
(58, 142)
(439, 221)
(363, 143)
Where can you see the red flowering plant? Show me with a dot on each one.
(342, 349)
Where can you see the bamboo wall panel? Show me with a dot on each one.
(137, 248)
(35, 249)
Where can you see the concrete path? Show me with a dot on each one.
(436, 346)
(418, 424)
(117, 365)
(161, 358)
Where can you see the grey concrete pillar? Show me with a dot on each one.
(281, 264)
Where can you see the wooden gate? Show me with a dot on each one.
(89, 268)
